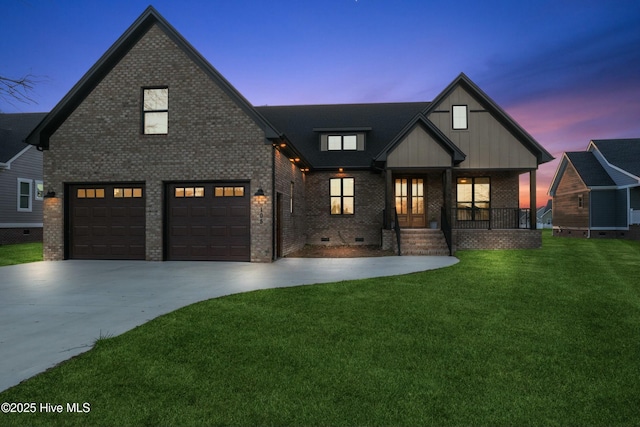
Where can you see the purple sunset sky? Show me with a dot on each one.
(568, 71)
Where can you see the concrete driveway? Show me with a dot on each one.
(52, 311)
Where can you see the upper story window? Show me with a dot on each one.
(460, 120)
(342, 196)
(342, 142)
(155, 111)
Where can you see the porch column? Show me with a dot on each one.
(533, 221)
(388, 198)
(446, 196)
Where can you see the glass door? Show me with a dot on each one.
(410, 203)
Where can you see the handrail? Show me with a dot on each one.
(490, 219)
(396, 226)
(446, 229)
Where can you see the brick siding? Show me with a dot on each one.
(293, 223)
(210, 138)
(365, 223)
(497, 239)
(11, 236)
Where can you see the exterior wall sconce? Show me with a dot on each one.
(258, 193)
(50, 194)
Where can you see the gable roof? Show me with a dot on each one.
(457, 155)
(542, 155)
(40, 135)
(14, 128)
(590, 170)
(303, 124)
(621, 153)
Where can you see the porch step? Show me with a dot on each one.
(423, 241)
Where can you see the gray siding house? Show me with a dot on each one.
(596, 193)
(21, 182)
(154, 155)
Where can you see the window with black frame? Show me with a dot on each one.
(473, 199)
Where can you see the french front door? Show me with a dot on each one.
(410, 206)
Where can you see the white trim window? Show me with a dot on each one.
(24, 195)
(459, 115)
(155, 111)
(342, 142)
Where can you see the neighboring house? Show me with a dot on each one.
(21, 187)
(596, 193)
(154, 155)
(544, 215)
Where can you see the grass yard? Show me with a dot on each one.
(527, 337)
(20, 253)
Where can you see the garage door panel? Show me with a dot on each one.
(106, 227)
(217, 223)
(137, 212)
(99, 212)
(199, 211)
(179, 230)
(219, 211)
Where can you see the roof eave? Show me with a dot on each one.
(41, 134)
(542, 155)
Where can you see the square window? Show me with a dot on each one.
(459, 117)
(179, 192)
(238, 191)
(137, 192)
(334, 142)
(219, 192)
(349, 142)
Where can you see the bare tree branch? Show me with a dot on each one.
(18, 89)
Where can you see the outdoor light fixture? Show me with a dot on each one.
(50, 194)
(260, 192)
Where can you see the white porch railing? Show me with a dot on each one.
(635, 216)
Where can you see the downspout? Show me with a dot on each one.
(274, 225)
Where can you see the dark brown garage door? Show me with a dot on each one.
(209, 222)
(107, 221)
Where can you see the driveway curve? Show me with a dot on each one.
(52, 311)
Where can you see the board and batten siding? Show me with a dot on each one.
(27, 166)
(486, 142)
(418, 149)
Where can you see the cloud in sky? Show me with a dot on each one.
(567, 71)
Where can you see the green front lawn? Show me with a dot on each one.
(20, 253)
(520, 337)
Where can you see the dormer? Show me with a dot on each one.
(342, 139)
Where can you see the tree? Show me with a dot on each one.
(17, 89)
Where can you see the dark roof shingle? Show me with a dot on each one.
(381, 122)
(622, 153)
(590, 169)
(14, 128)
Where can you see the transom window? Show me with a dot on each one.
(459, 113)
(342, 142)
(127, 192)
(189, 192)
(474, 199)
(90, 193)
(155, 120)
(342, 196)
(228, 191)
